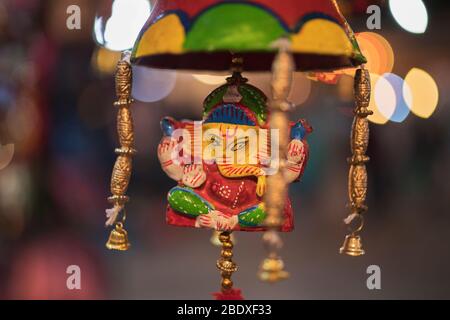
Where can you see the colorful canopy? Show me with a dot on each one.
(204, 34)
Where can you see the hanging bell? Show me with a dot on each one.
(272, 270)
(118, 239)
(352, 246)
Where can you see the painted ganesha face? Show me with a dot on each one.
(225, 190)
(233, 144)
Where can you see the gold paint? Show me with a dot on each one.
(121, 174)
(272, 268)
(167, 35)
(118, 239)
(320, 36)
(225, 264)
(215, 238)
(352, 246)
(275, 196)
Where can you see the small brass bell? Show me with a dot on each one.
(118, 239)
(272, 270)
(352, 246)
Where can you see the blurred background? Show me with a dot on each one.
(57, 137)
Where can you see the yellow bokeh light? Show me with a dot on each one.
(104, 61)
(210, 79)
(383, 100)
(377, 50)
(385, 51)
(424, 96)
(371, 52)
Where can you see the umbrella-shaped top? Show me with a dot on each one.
(204, 34)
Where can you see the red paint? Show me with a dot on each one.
(246, 196)
(232, 294)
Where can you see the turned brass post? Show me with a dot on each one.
(357, 177)
(121, 174)
(277, 188)
(225, 264)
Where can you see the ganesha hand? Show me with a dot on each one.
(216, 220)
(208, 220)
(165, 155)
(296, 156)
(193, 175)
(226, 222)
(296, 151)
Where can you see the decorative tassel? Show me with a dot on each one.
(232, 294)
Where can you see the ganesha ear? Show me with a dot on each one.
(168, 125)
(300, 130)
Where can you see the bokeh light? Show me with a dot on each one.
(385, 51)
(383, 100)
(424, 92)
(15, 190)
(301, 85)
(123, 27)
(104, 61)
(411, 15)
(150, 85)
(377, 50)
(99, 31)
(301, 89)
(210, 79)
(402, 95)
(370, 51)
(6, 155)
(345, 88)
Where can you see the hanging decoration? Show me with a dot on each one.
(232, 168)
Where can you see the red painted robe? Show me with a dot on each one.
(230, 196)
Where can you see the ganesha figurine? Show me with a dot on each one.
(222, 162)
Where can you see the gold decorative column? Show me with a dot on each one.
(271, 269)
(225, 264)
(357, 177)
(122, 168)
